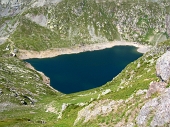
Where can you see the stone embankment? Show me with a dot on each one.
(25, 54)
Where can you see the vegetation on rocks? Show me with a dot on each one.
(26, 100)
(33, 103)
(67, 23)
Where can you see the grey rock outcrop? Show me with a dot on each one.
(97, 108)
(39, 19)
(156, 110)
(168, 24)
(40, 3)
(155, 87)
(163, 67)
(13, 7)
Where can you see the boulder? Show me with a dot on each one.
(163, 66)
(155, 87)
(23, 102)
(156, 111)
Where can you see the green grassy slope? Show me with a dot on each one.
(47, 106)
(22, 91)
(26, 101)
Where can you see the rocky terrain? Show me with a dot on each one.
(138, 96)
(68, 23)
(159, 105)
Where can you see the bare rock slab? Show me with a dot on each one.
(163, 67)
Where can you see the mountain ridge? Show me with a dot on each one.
(86, 22)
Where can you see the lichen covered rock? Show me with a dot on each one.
(155, 87)
(156, 111)
(163, 67)
(95, 109)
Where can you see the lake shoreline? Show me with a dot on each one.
(86, 70)
(45, 79)
(26, 54)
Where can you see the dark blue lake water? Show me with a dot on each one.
(77, 72)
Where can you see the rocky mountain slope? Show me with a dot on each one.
(138, 96)
(56, 23)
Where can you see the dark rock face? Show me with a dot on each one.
(163, 67)
(168, 48)
(1, 91)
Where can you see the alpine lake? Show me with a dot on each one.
(72, 73)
